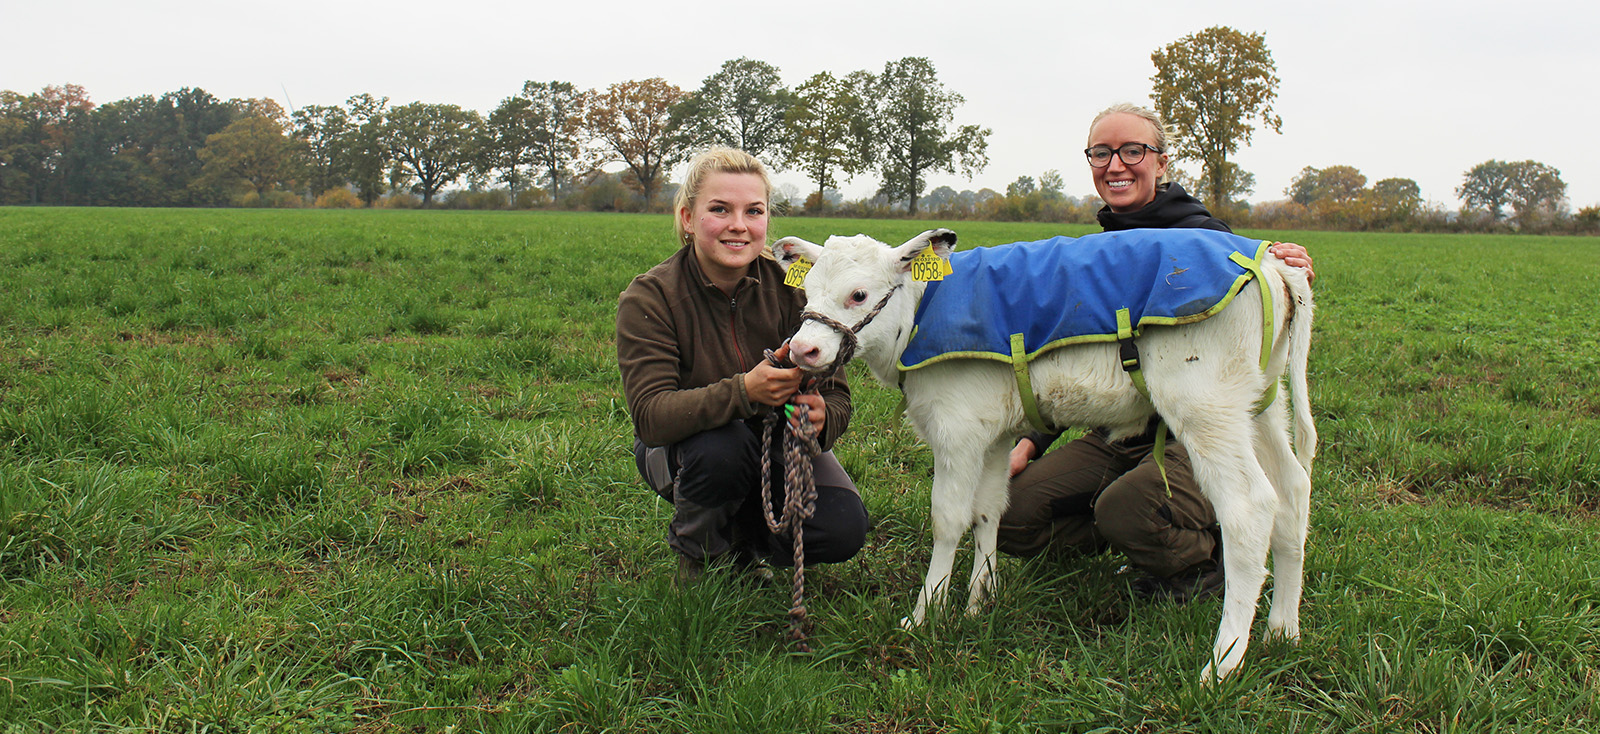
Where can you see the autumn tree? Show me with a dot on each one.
(557, 130)
(1027, 199)
(251, 152)
(260, 107)
(1052, 186)
(431, 145)
(506, 142)
(1487, 186)
(364, 145)
(1211, 87)
(1537, 192)
(1399, 197)
(12, 125)
(829, 130)
(185, 119)
(1334, 183)
(1533, 190)
(35, 133)
(741, 106)
(912, 130)
(321, 131)
(1235, 184)
(631, 123)
(141, 151)
(1400, 192)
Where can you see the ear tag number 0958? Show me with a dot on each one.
(927, 265)
(796, 274)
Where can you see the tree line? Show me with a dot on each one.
(550, 145)
(188, 148)
(1523, 196)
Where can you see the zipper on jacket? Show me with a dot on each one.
(733, 328)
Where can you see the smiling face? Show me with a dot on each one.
(728, 224)
(1127, 188)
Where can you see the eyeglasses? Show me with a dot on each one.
(1131, 153)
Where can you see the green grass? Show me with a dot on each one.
(317, 471)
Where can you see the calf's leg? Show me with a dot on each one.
(988, 504)
(1222, 456)
(1289, 524)
(956, 472)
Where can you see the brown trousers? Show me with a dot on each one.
(1091, 494)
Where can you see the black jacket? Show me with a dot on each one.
(1173, 208)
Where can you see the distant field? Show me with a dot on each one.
(307, 471)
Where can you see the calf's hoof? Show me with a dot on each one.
(1213, 673)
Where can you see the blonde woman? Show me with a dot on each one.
(690, 338)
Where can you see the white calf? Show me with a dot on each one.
(1204, 379)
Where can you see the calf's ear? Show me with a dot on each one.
(791, 250)
(942, 241)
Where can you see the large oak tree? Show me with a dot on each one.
(741, 106)
(829, 130)
(431, 144)
(365, 146)
(320, 129)
(251, 152)
(913, 133)
(1530, 188)
(556, 127)
(631, 123)
(1212, 87)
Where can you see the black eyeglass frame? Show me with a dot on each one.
(1088, 153)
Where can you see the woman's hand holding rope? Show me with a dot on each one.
(816, 410)
(769, 384)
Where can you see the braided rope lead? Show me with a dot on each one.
(800, 448)
(801, 445)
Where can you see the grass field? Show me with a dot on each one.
(313, 471)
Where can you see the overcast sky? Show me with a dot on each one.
(1397, 89)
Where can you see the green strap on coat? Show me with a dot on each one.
(1267, 322)
(1019, 366)
(1130, 353)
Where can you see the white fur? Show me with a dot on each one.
(1204, 380)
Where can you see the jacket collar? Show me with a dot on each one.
(1172, 204)
(752, 274)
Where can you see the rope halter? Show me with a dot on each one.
(848, 341)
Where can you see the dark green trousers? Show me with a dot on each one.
(1091, 494)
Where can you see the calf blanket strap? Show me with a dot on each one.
(1130, 352)
(1267, 321)
(1130, 364)
(1030, 402)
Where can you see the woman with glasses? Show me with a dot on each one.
(1093, 494)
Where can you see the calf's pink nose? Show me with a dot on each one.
(804, 354)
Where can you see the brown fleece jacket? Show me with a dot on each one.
(684, 346)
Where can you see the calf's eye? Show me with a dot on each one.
(858, 297)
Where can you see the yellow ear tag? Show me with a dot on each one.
(796, 274)
(927, 265)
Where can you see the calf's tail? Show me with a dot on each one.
(1299, 329)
